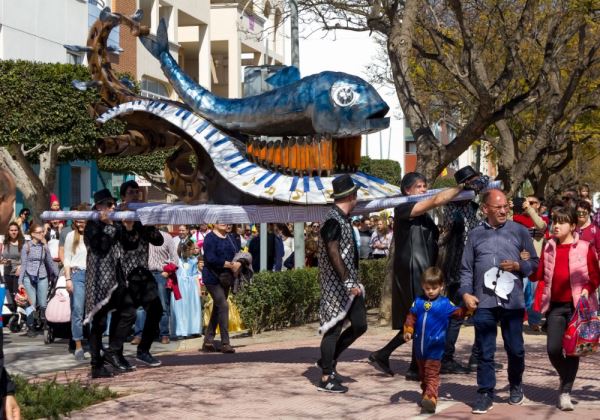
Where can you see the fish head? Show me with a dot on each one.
(346, 105)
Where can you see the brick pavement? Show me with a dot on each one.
(276, 380)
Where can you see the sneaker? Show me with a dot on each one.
(381, 363)
(483, 405)
(428, 404)
(79, 355)
(128, 366)
(147, 358)
(516, 396)
(412, 375)
(31, 333)
(165, 340)
(226, 348)
(332, 385)
(101, 372)
(453, 367)
(136, 340)
(564, 402)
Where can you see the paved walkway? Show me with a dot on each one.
(273, 376)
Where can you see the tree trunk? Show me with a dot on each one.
(33, 186)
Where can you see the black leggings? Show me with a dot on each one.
(335, 341)
(219, 315)
(558, 318)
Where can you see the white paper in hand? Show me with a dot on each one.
(500, 282)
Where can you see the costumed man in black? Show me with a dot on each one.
(106, 288)
(342, 294)
(136, 240)
(9, 408)
(415, 249)
(459, 218)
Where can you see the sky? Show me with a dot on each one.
(351, 52)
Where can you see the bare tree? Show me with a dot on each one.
(476, 63)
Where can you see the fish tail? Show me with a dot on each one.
(159, 44)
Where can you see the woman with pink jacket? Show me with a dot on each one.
(568, 270)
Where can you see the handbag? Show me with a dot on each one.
(583, 331)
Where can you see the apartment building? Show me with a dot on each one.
(245, 33)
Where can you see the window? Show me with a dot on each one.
(154, 89)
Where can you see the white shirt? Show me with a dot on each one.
(76, 259)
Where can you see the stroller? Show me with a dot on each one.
(57, 321)
(13, 312)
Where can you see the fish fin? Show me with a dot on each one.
(285, 76)
(159, 44)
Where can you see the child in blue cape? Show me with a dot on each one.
(427, 323)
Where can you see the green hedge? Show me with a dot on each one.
(282, 299)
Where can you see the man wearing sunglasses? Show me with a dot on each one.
(106, 289)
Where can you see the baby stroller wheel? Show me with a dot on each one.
(48, 336)
(15, 324)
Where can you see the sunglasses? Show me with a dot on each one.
(567, 198)
(534, 202)
(582, 213)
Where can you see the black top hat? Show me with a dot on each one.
(463, 174)
(102, 196)
(343, 186)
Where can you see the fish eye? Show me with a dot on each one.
(344, 94)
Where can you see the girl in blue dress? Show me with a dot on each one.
(187, 311)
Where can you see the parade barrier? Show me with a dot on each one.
(165, 214)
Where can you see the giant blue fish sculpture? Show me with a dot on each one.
(329, 103)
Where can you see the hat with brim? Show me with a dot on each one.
(464, 174)
(343, 186)
(102, 196)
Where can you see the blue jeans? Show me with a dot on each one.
(165, 300)
(511, 325)
(77, 304)
(38, 294)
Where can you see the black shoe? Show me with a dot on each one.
(129, 367)
(453, 367)
(101, 372)
(483, 405)
(412, 375)
(381, 363)
(332, 385)
(473, 365)
(147, 358)
(114, 360)
(516, 396)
